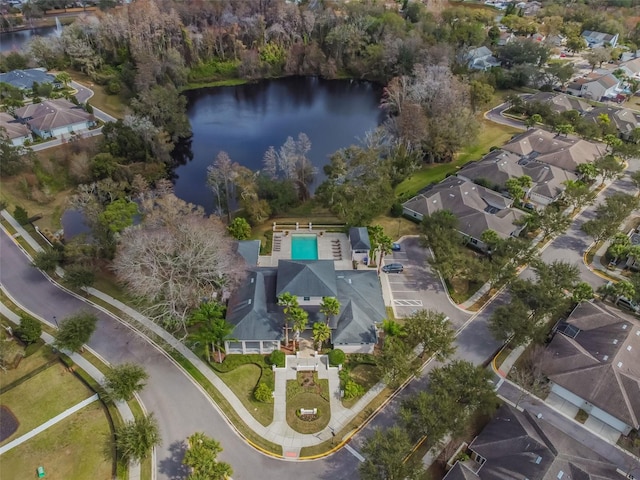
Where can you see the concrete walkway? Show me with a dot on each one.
(49, 423)
(123, 408)
(278, 432)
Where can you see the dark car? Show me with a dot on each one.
(395, 247)
(393, 268)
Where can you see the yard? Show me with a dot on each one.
(308, 392)
(365, 375)
(491, 134)
(111, 104)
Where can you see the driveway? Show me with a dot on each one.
(419, 287)
(496, 116)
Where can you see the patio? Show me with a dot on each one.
(331, 246)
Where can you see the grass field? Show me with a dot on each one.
(77, 448)
(49, 393)
(27, 364)
(111, 104)
(242, 381)
(491, 134)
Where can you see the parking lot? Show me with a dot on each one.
(418, 287)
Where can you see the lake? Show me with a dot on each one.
(17, 40)
(245, 120)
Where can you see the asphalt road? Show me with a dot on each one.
(495, 115)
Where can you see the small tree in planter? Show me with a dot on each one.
(336, 357)
(263, 393)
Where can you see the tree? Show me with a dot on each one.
(395, 361)
(118, 215)
(385, 452)
(600, 228)
(619, 246)
(136, 438)
(432, 331)
(576, 44)
(29, 330)
(47, 260)
(564, 129)
(79, 276)
(609, 167)
(607, 290)
(75, 331)
(588, 171)
(64, 78)
(239, 229)
(321, 334)
(213, 329)
(9, 351)
(512, 323)
(624, 288)
(577, 193)
(201, 457)
(289, 302)
(176, 257)
(635, 178)
(597, 56)
(552, 221)
(481, 94)
(123, 381)
(329, 307)
(380, 244)
(582, 291)
(300, 320)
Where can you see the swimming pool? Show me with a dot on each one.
(304, 247)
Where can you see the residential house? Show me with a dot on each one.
(559, 102)
(599, 39)
(480, 58)
(537, 37)
(566, 152)
(596, 86)
(499, 166)
(517, 445)
(477, 208)
(556, 40)
(630, 55)
(17, 133)
(259, 322)
(593, 362)
(249, 250)
(532, 8)
(24, 79)
(52, 118)
(625, 119)
(631, 68)
(360, 244)
(505, 37)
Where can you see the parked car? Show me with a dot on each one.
(393, 268)
(624, 302)
(395, 247)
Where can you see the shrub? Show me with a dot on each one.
(277, 358)
(396, 209)
(262, 393)
(29, 330)
(336, 357)
(352, 389)
(21, 215)
(114, 87)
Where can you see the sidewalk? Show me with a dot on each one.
(123, 408)
(278, 432)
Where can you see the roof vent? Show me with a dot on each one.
(638, 333)
(252, 280)
(624, 326)
(249, 302)
(349, 281)
(615, 341)
(619, 364)
(560, 474)
(538, 460)
(629, 348)
(605, 358)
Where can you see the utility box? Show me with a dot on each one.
(40, 472)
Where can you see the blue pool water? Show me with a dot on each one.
(304, 247)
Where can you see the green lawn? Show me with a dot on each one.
(365, 375)
(308, 392)
(491, 134)
(77, 448)
(49, 393)
(242, 381)
(28, 364)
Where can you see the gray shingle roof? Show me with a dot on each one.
(249, 250)
(517, 446)
(307, 278)
(359, 238)
(13, 128)
(602, 363)
(51, 114)
(24, 79)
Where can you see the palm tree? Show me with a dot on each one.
(136, 438)
(321, 333)
(329, 307)
(300, 319)
(213, 329)
(289, 302)
(64, 78)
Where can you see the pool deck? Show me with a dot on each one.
(331, 246)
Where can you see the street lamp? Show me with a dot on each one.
(55, 319)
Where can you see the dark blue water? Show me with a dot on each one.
(17, 41)
(245, 120)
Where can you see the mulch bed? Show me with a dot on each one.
(9, 423)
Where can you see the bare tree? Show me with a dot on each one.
(176, 259)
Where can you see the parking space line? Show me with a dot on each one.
(403, 291)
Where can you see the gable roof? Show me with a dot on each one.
(499, 166)
(563, 152)
(601, 363)
(307, 278)
(515, 445)
(632, 66)
(361, 306)
(51, 114)
(249, 250)
(559, 102)
(597, 37)
(625, 119)
(13, 128)
(24, 79)
(359, 238)
(251, 309)
(476, 207)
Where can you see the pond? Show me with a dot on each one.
(17, 41)
(245, 120)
